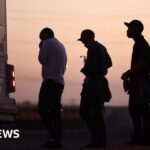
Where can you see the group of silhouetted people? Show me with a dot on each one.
(95, 88)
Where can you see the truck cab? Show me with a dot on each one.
(8, 107)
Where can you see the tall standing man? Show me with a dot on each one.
(52, 57)
(137, 84)
(95, 89)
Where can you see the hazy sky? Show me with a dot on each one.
(68, 18)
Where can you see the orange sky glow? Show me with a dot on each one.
(68, 18)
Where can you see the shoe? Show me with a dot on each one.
(52, 144)
(146, 142)
(135, 141)
(95, 145)
(132, 143)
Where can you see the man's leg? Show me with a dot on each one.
(49, 110)
(146, 124)
(135, 114)
(85, 107)
(43, 105)
(55, 111)
(99, 131)
(93, 118)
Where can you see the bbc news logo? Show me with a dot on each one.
(9, 134)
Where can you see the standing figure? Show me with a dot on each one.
(136, 83)
(52, 57)
(95, 89)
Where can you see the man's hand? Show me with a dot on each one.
(82, 70)
(40, 44)
(126, 75)
(126, 83)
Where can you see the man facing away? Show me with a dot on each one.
(95, 89)
(52, 57)
(137, 84)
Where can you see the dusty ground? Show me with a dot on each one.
(73, 139)
(75, 134)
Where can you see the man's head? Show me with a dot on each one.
(135, 28)
(46, 33)
(87, 37)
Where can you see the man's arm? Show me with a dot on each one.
(138, 68)
(43, 53)
(89, 68)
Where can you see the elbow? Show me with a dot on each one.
(41, 61)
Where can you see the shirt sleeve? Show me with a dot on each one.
(138, 67)
(44, 53)
(89, 68)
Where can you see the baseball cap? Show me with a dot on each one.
(138, 25)
(87, 34)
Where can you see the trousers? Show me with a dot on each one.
(140, 115)
(49, 107)
(91, 112)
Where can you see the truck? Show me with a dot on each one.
(8, 108)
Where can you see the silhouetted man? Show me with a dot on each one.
(52, 56)
(137, 84)
(95, 89)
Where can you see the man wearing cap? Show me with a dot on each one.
(95, 89)
(136, 84)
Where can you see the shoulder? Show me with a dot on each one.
(142, 43)
(51, 41)
(100, 49)
(47, 42)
